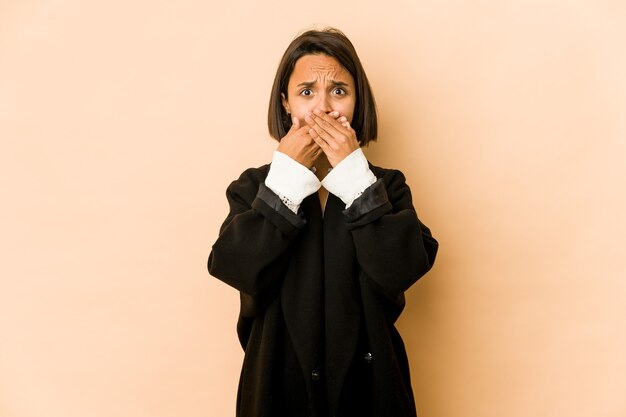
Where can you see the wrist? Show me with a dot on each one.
(290, 180)
(350, 177)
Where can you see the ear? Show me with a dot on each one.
(285, 103)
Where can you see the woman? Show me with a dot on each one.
(321, 246)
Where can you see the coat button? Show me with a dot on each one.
(315, 375)
(368, 357)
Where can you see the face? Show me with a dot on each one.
(319, 82)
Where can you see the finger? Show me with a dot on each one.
(343, 121)
(335, 136)
(317, 151)
(335, 139)
(325, 121)
(313, 119)
(317, 132)
(320, 142)
(317, 137)
(313, 133)
(322, 128)
(295, 123)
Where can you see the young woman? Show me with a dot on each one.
(321, 246)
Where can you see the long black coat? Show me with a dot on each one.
(320, 295)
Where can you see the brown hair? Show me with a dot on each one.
(334, 43)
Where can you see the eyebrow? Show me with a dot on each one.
(335, 83)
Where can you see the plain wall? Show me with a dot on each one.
(123, 122)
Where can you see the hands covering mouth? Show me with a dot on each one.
(328, 133)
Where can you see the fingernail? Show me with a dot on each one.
(317, 111)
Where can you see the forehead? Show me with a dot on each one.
(313, 67)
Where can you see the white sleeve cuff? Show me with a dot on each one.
(290, 181)
(350, 177)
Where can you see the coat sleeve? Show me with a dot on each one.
(251, 251)
(394, 249)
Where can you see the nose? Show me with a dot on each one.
(324, 103)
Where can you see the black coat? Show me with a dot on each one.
(320, 296)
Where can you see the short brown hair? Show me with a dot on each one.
(334, 43)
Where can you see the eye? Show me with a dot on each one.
(306, 92)
(339, 91)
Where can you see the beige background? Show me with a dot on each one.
(122, 123)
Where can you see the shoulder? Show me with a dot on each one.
(391, 177)
(247, 185)
(398, 191)
(254, 175)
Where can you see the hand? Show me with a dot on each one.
(333, 134)
(299, 145)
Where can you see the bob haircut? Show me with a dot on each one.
(333, 43)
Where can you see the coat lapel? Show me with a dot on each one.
(342, 307)
(302, 291)
(321, 296)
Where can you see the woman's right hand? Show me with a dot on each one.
(299, 145)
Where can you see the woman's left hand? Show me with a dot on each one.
(334, 135)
